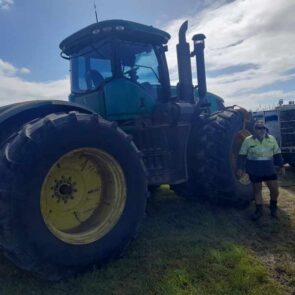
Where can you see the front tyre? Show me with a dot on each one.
(73, 193)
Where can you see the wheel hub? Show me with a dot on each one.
(64, 189)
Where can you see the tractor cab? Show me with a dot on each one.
(118, 68)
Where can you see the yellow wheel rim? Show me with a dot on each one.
(237, 143)
(83, 196)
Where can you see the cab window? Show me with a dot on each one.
(139, 63)
(91, 67)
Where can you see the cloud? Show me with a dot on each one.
(6, 4)
(7, 68)
(16, 89)
(242, 33)
(24, 71)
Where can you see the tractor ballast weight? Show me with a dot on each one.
(75, 175)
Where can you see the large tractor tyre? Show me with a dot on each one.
(14, 116)
(72, 194)
(212, 156)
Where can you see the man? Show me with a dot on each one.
(258, 157)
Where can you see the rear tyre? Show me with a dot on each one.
(212, 155)
(73, 193)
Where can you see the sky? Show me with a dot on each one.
(250, 55)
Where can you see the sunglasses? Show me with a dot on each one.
(260, 128)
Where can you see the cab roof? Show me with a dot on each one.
(122, 29)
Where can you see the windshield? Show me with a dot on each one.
(139, 62)
(95, 64)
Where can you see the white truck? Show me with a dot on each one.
(281, 124)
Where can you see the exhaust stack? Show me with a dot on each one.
(199, 45)
(185, 88)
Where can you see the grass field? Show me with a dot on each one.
(186, 247)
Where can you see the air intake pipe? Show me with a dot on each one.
(185, 88)
(199, 46)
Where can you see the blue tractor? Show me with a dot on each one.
(75, 175)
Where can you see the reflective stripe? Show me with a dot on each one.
(260, 158)
(262, 148)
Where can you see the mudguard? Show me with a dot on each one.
(13, 116)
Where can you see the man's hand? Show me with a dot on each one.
(240, 173)
(282, 171)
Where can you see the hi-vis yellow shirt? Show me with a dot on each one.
(260, 156)
(257, 150)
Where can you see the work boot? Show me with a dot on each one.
(273, 209)
(258, 213)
